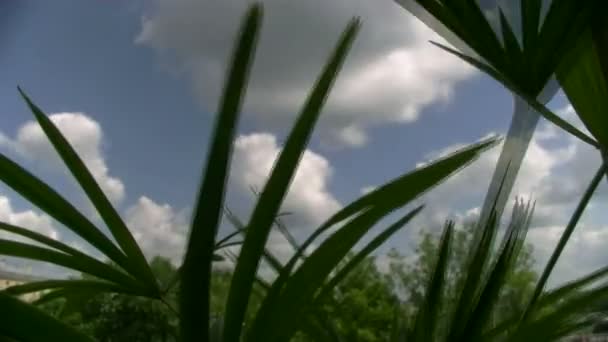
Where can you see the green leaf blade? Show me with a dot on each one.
(71, 284)
(425, 325)
(567, 233)
(136, 261)
(196, 268)
(585, 86)
(97, 269)
(18, 317)
(40, 238)
(542, 109)
(54, 205)
(390, 196)
(276, 188)
(366, 251)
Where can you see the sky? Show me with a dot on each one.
(134, 86)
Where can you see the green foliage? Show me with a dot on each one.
(362, 306)
(271, 197)
(584, 76)
(523, 69)
(18, 323)
(121, 317)
(410, 278)
(568, 41)
(196, 268)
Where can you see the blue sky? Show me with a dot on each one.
(144, 77)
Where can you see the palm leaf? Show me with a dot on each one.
(40, 238)
(47, 199)
(470, 286)
(553, 296)
(387, 197)
(543, 45)
(98, 269)
(136, 261)
(60, 246)
(18, 317)
(425, 326)
(584, 84)
(526, 72)
(578, 212)
(268, 256)
(489, 295)
(284, 313)
(276, 188)
(398, 192)
(513, 51)
(196, 269)
(530, 18)
(69, 285)
(52, 295)
(542, 109)
(225, 239)
(564, 319)
(364, 253)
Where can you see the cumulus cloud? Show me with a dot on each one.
(162, 230)
(555, 172)
(309, 198)
(392, 74)
(469, 185)
(36, 222)
(158, 228)
(83, 133)
(584, 253)
(29, 219)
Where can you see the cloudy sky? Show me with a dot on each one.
(134, 85)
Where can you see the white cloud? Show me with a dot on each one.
(569, 114)
(36, 222)
(161, 230)
(308, 202)
(308, 199)
(29, 219)
(555, 172)
(83, 133)
(584, 253)
(469, 185)
(158, 228)
(392, 74)
(353, 135)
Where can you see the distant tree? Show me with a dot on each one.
(409, 277)
(363, 304)
(117, 317)
(164, 271)
(361, 308)
(113, 317)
